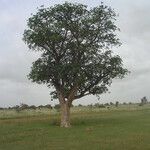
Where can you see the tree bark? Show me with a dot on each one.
(65, 105)
(65, 115)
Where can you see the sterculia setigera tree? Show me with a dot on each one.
(76, 45)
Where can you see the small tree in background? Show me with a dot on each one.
(144, 100)
(124, 103)
(32, 107)
(111, 103)
(117, 103)
(76, 58)
(23, 106)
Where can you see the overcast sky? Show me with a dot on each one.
(16, 59)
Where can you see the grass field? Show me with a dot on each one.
(123, 128)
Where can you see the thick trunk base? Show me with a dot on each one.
(65, 115)
(65, 124)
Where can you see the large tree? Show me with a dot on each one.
(76, 45)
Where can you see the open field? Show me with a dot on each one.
(122, 128)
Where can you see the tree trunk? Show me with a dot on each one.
(65, 115)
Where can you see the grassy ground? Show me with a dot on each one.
(123, 128)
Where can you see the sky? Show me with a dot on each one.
(16, 59)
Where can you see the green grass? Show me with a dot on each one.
(92, 129)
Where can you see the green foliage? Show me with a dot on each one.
(76, 47)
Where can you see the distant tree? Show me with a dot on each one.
(23, 106)
(106, 104)
(80, 105)
(16, 107)
(76, 58)
(48, 106)
(117, 103)
(96, 105)
(144, 100)
(40, 107)
(1, 108)
(32, 107)
(90, 105)
(102, 106)
(111, 103)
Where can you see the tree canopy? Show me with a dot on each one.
(76, 44)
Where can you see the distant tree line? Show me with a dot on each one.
(23, 106)
(98, 105)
